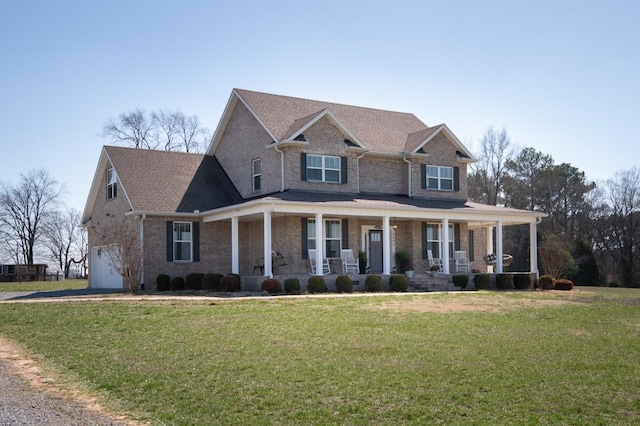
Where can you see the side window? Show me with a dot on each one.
(112, 184)
(255, 175)
(182, 241)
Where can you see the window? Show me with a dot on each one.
(182, 241)
(323, 168)
(433, 239)
(112, 184)
(438, 177)
(332, 237)
(255, 170)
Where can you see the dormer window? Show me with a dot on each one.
(323, 168)
(112, 184)
(439, 177)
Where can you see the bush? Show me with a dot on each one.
(398, 283)
(545, 282)
(460, 280)
(521, 281)
(163, 282)
(504, 282)
(373, 283)
(230, 283)
(482, 281)
(344, 284)
(562, 284)
(177, 283)
(271, 285)
(194, 281)
(316, 285)
(211, 281)
(292, 285)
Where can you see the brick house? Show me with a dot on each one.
(286, 175)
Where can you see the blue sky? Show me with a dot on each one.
(561, 76)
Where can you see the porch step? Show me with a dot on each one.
(428, 282)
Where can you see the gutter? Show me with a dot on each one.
(409, 192)
(281, 167)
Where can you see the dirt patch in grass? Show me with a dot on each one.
(470, 303)
(24, 366)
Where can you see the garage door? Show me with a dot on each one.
(103, 274)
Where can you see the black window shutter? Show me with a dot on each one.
(305, 236)
(303, 166)
(456, 236)
(345, 233)
(471, 246)
(423, 177)
(456, 178)
(343, 169)
(169, 241)
(424, 241)
(196, 241)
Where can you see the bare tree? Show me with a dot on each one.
(555, 256)
(163, 129)
(123, 251)
(24, 209)
(62, 238)
(134, 129)
(486, 177)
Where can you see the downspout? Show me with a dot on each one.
(409, 193)
(358, 172)
(142, 218)
(281, 167)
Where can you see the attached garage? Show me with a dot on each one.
(103, 274)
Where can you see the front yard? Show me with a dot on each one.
(469, 357)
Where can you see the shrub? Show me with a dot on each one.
(521, 281)
(504, 282)
(211, 281)
(177, 283)
(460, 280)
(271, 285)
(316, 285)
(562, 284)
(194, 281)
(163, 282)
(482, 281)
(292, 285)
(373, 283)
(344, 284)
(398, 283)
(229, 283)
(545, 282)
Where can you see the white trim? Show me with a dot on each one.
(327, 113)
(453, 138)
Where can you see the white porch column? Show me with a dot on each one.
(319, 243)
(386, 246)
(533, 248)
(445, 246)
(499, 259)
(490, 249)
(267, 245)
(235, 262)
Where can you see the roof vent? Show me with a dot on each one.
(300, 138)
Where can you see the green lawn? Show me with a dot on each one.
(43, 285)
(465, 358)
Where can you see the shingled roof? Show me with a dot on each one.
(379, 131)
(162, 181)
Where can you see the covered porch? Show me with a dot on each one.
(277, 232)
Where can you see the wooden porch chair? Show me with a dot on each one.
(434, 261)
(326, 266)
(462, 262)
(349, 263)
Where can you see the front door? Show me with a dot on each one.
(375, 251)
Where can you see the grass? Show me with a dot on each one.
(465, 358)
(43, 285)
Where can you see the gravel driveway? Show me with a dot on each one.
(24, 404)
